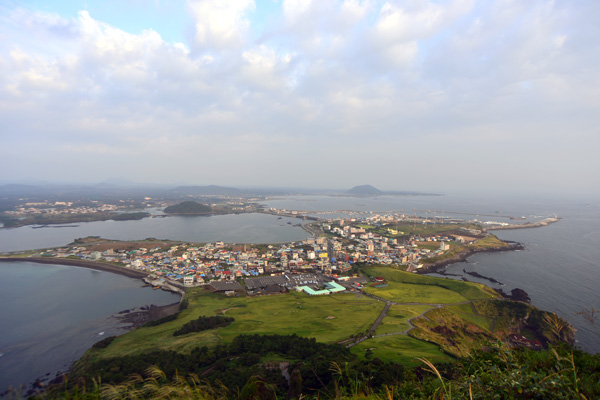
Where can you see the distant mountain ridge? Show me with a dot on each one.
(368, 190)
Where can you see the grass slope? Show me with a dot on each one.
(406, 287)
(397, 318)
(328, 319)
(281, 314)
(401, 349)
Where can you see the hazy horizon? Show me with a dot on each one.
(456, 96)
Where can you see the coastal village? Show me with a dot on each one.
(318, 265)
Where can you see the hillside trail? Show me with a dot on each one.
(389, 303)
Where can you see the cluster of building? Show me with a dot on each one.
(62, 207)
(312, 263)
(354, 243)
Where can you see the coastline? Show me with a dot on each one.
(100, 266)
(544, 222)
(463, 256)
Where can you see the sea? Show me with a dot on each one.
(51, 314)
(559, 267)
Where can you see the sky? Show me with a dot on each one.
(441, 96)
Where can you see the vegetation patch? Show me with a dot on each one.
(400, 349)
(203, 324)
(454, 334)
(292, 313)
(458, 330)
(406, 287)
(188, 207)
(398, 316)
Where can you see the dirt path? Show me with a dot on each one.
(388, 304)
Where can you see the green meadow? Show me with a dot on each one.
(329, 319)
(397, 318)
(406, 287)
(401, 349)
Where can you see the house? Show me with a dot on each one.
(225, 286)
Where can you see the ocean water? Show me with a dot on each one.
(559, 268)
(232, 228)
(51, 314)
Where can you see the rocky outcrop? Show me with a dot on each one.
(466, 253)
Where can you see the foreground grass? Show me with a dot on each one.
(498, 373)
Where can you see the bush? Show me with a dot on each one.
(204, 323)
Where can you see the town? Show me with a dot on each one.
(319, 265)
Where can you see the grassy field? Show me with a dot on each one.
(281, 314)
(401, 349)
(417, 229)
(405, 287)
(397, 318)
(328, 319)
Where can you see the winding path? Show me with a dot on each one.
(389, 303)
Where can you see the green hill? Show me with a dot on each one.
(189, 207)
(329, 347)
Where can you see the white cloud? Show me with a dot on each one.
(339, 79)
(220, 23)
(416, 20)
(294, 9)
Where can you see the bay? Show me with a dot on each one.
(51, 314)
(232, 228)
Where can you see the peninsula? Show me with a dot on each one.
(353, 284)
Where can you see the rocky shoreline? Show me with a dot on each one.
(139, 316)
(464, 255)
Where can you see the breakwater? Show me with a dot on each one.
(544, 222)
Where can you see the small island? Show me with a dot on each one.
(189, 208)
